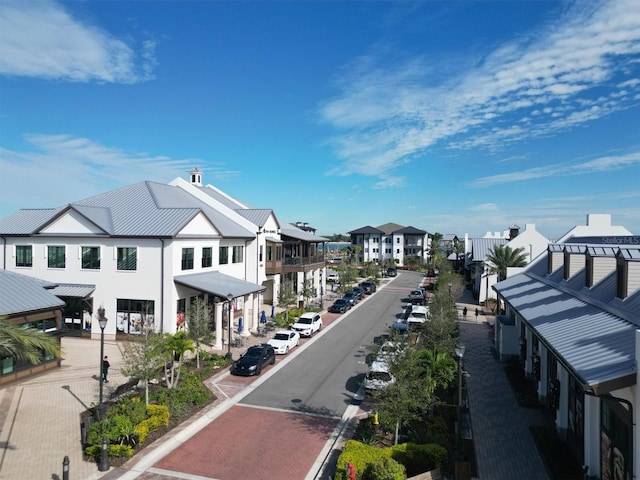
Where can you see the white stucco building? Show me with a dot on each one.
(145, 251)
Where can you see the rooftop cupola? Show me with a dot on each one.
(195, 176)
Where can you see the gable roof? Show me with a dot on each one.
(257, 216)
(145, 209)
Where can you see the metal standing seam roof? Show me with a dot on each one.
(300, 234)
(219, 284)
(72, 290)
(20, 294)
(144, 209)
(257, 216)
(597, 345)
(480, 247)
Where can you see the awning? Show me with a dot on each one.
(219, 284)
(72, 290)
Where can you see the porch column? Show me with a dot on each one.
(218, 316)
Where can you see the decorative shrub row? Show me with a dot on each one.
(373, 463)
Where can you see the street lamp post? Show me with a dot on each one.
(460, 354)
(102, 321)
(229, 355)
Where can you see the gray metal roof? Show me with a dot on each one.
(219, 284)
(27, 221)
(144, 209)
(257, 216)
(596, 344)
(630, 254)
(480, 247)
(72, 290)
(22, 294)
(227, 201)
(299, 234)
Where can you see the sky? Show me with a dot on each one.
(457, 117)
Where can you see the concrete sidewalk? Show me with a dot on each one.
(504, 446)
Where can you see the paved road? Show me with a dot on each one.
(284, 424)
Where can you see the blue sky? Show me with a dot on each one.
(454, 117)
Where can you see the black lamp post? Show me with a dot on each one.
(102, 321)
(460, 354)
(229, 355)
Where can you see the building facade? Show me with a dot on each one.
(390, 244)
(145, 252)
(571, 317)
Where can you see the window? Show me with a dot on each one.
(224, 256)
(187, 259)
(24, 256)
(127, 258)
(91, 258)
(237, 254)
(260, 254)
(398, 240)
(55, 257)
(207, 257)
(269, 253)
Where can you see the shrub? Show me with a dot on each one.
(359, 455)
(130, 406)
(419, 458)
(384, 468)
(117, 450)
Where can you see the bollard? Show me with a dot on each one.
(65, 468)
(104, 458)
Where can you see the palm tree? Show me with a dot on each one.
(502, 256)
(434, 249)
(27, 344)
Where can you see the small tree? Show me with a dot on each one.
(198, 325)
(308, 292)
(143, 356)
(287, 297)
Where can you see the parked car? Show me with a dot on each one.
(418, 314)
(284, 340)
(378, 376)
(368, 287)
(359, 291)
(389, 350)
(417, 297)
(307, 324)
(340, 306)
(254, 359)
(332, 276)
(391, 272)
(351, 297)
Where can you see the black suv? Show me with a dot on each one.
(368, 287)
(254, 359)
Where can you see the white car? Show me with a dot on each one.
(378, 376)
(284, 340)
(308, 324)
(418, 314)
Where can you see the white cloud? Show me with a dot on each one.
(42, 39)
(85, 168)
(388, 113)
(602, 164)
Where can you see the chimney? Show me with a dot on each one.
(514, 231)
